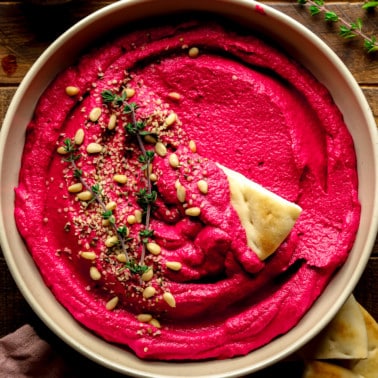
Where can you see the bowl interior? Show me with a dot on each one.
(303, 46)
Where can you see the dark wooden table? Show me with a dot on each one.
(26, 30)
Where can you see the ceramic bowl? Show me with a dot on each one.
(305, 47)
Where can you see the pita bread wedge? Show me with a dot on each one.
(321, 369)
(266, 217)
(344, 338)
(368, 367)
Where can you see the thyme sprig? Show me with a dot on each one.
(347, 30)
(97, 195)
(136, 128)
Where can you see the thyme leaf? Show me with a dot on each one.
(331, 16)
(110, 98)
(370, 5)
(135, 267)
(130, 108)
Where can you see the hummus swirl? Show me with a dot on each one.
(233, 100)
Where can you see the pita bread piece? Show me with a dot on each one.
(345, 337)
(321, 369)
(369, 366)
(266, 217)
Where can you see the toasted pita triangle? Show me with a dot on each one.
(321, 369)
(345, 337)
(266, 217)
(368, 367)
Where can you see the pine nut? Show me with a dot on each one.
(181, 193)
(203, 186)
(174, 95)
(111, 205)
(149, 292)
(121, 179)
(87, 255)
(150, 139)
(61, 150)
(94, 273)
(144, 318)
(171, 119)
(121, 257)
(192, 146)
(138, 216)
(147, 275)
(111, 241)
(160, 149)
(79, 137)
(173, 265)
(112, 122)
(174, 161)
(72, 90)
(193, 211)
(94, 148)
(153, 248)
(153, 177)
(75, 188)
(112, 303)
(131, 219)
(95, 114)
(85, 196)
(193, 52)
(154, 322)
(169, 299)
(130, 92)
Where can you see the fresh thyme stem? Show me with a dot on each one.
(351, 26)
(347, 29)
(149, 186)
(136, 128)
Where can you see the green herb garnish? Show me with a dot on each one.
(347, 30)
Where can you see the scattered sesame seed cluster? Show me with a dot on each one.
(107, 185)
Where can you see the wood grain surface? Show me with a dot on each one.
(26, 30)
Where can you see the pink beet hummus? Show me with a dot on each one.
(184, 284)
